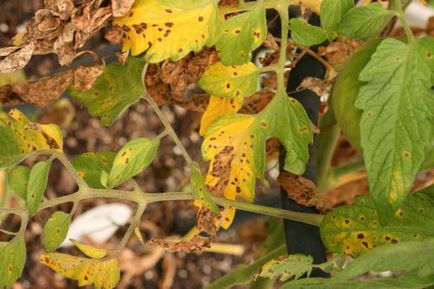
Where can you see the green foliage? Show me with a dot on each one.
(358, 228)
(366, 21)
(114, 91)
(413, 259)
(37, 184)
(332, 12)
(306, 34)
(396, 128)
(134, 156)
(90, 166)
(55, 230)
(12, 260)
(230, 81)
(241, 35)
(290, 267)
(17, 180)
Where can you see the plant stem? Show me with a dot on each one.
(69, 167)
(398, 8)
(282, 9)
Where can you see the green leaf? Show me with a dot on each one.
(230, 81)
(366, 21)
(413, 259)
(396, 125)
(290, 267)
(55, 230)
(118, 87)
(358, 228)
(17, 180)
(91, 165)
(201, 191)
(241, 35)
(136, 155)
(37, 184)
(332, 12)
(12, 260)
(305, 34)
(92, 252)
(20, 138)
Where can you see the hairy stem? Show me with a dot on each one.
(398, 8)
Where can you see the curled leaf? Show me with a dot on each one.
(15, 57)
(90, 251)
(104, 273)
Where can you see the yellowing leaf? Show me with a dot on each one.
(19, 138)
(235, 144)
(90, 251)
(241, 35)
(169, 29)
(55, 230)
(104, 274)
(12, 260)
(230, 81)
(217, 107)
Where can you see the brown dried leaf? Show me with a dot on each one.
(301, 190)
(114, 35)
(196, 243)
(85, 76)
(338, 52)
(43, 91)
(321, 87)
(16, 59)
(121, 7)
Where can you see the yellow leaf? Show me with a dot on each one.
(90, 251)
(169, 29)
(19, 137)
(217, 107)
(104, 274)
(230, 81)
(235, 145)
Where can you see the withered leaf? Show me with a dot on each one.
(43, 91)
(121, 7)
(319, 86)
(301, 190)
(15, 58)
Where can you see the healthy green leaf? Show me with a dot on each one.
(358, 228)
(396, 125)
(291, 267)
(332, 12)
(20, 138)
(91, 165)
(136, 155)
(17, 180)
(118, 87)
(12, 260)
(306, 34)
(55, 230)
(241, 35)
(230, 81)
(37, 184)
(366, 21)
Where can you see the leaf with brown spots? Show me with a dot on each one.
(217, 107)
(121, 7)
(236, 146)
(102, 273)
(230, 81)
(354, 229)
(169, 29)
(20, 138)
(241, 35)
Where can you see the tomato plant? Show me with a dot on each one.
(382, 100)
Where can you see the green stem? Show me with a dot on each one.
(282, 9)
(398, 8)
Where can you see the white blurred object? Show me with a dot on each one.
(417, 14)
(98, 224)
